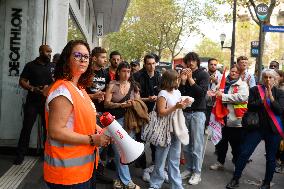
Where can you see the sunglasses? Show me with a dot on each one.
(79, 56)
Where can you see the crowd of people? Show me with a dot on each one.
(72, 91)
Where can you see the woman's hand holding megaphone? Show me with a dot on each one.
(101, 140)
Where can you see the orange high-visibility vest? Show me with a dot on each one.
(239, 108)
(68, 164)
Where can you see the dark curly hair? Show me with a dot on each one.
(62, 69)
(192, 56)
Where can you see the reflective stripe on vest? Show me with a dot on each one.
(69, 162)
(58, 144)
(245, 105)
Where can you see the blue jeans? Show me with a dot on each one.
(193, 152)
(172, 154)
(84, 185)
(122, 170)
(252, 139)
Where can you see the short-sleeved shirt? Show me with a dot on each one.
(38, 75)
(171, 98)
(63, 91)
(99, 84)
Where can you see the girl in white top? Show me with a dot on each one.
(169, 100)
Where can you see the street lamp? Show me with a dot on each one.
(222, 39)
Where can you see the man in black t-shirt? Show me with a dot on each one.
(36, 76)
(97, 90)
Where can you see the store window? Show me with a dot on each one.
(74, 31)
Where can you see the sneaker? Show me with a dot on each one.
(234, 183)
(149, 169)
(185, 174)
(279, 169)
(146, 176)
(166, 176)
(217, 166)
(131, 185)
(117, 184)
(194, 179)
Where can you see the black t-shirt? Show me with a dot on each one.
(99, 84)
(38, 75)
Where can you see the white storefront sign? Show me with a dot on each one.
(12, 64)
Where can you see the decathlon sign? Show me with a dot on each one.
(15, 41)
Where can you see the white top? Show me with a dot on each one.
(171, 98)
(63, 91)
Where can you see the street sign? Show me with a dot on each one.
(262, 11)
(100, 24)
(278, 29)
(254, 50)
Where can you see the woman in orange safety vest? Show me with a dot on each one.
(72, 134)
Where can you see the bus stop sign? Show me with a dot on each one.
(262, 11)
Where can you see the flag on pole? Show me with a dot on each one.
(218, 113)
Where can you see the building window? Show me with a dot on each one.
(78, 2)
(87, 16)
(74, 31)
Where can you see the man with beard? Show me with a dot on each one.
(36, 77)
(97, 90)
(114, 59)
(215, 78)
(194, 83)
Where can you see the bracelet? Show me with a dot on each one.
(91, 140)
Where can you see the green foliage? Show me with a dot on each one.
(209, 48)
(74, 31)
(157, 26)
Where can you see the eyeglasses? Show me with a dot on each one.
(272, 66)
(79, 56)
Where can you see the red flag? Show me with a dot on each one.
(219, 109)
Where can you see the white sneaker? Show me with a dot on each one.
(217, 166)
(146, 176)
(166, 176)
(185, 174)
(194, 179)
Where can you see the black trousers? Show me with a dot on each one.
(234, 136)
(31, 111)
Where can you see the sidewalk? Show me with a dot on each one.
(253, 173)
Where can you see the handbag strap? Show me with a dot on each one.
(276, 119)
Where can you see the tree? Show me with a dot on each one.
(157, 26)
(209, 48)
(251, 6)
